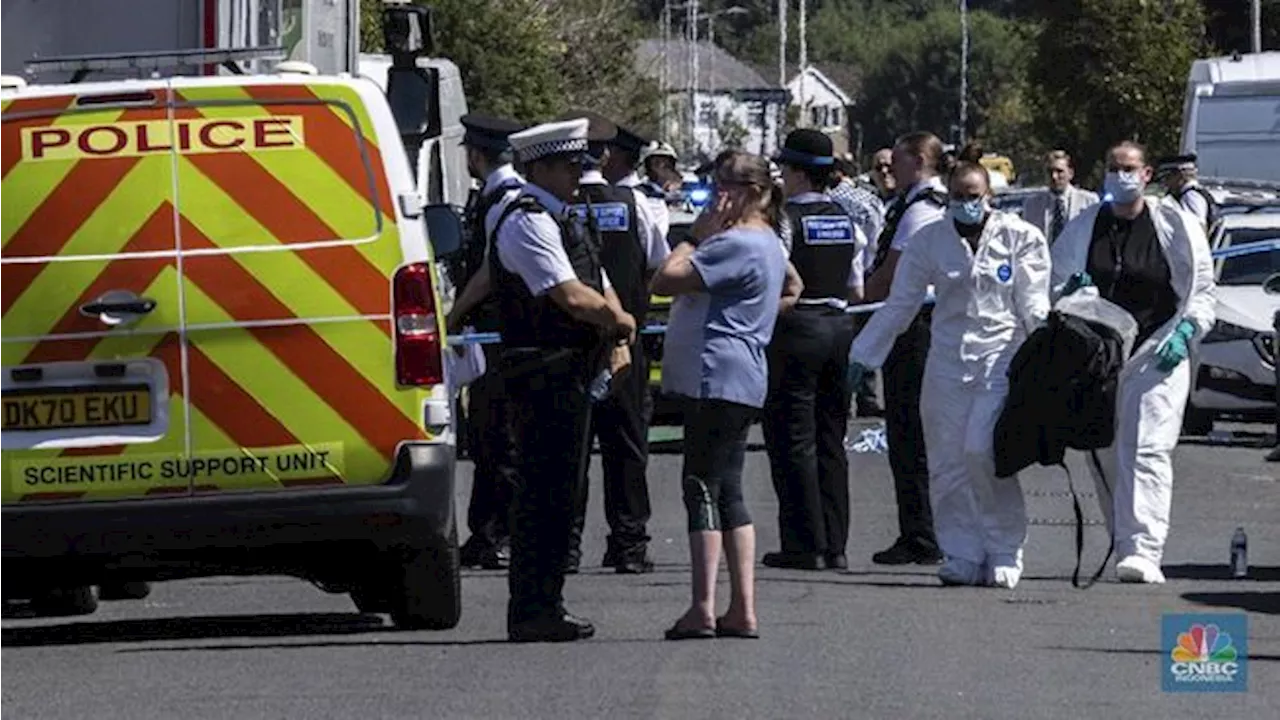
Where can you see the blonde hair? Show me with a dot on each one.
(1055, 155)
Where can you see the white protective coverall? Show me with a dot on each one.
(987, 303)
(1149, 401)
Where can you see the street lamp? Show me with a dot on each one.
(964, 68)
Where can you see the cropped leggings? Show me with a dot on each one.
(715, 447)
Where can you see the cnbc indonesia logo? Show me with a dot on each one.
(1204, 655)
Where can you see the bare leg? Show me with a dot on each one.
(740, 551)
(704, 554)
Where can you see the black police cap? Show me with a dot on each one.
(1174, 162)
(486, 131)
(630, 141)
(806, 148)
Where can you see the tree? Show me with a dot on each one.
(532, 60)
(1110, 70)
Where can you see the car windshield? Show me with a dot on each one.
(1254, 268)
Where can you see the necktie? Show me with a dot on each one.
(1059, 216)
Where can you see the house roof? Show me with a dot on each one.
(815, 74)
(716, 68)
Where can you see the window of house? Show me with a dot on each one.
(818, 116)
(707, 114)
(835, 117)
(755, 114)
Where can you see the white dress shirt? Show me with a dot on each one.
(491, 183)
(529, 245)
(658, 210)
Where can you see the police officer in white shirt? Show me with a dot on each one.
(620, 168)
(922, 200)
(562, 324)
(1178, 174)
(632, 247)
(488, 422)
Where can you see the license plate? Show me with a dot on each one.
(67, 408)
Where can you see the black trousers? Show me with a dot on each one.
(903, 378)
(493, 450)
(806, 415)
(621, 422)
(551, 413)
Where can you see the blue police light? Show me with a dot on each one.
(699, 196)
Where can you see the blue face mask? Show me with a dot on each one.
(967, 212)
(1123, 187)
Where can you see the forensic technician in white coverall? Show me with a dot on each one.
(1153, 260)
(990, 272)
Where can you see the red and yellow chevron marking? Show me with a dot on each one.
(309, 382)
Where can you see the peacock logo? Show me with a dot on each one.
(1204, 644)
(1204, 655)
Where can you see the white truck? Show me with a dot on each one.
(1231, 118)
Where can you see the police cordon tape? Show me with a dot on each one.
(657, 329)
(492, 338)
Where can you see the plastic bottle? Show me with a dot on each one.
(1239, 554)
(599, 387)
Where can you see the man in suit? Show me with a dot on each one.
(1051, 210)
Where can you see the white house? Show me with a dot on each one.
(733, 101)
(822, 105)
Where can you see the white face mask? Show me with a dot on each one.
(1123, 187)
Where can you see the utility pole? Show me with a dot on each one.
(1257, 26)
(803, 64)
(782, 43)
(665, 82)
(964, 68)
(691, 32)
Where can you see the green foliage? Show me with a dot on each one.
(532, 60)
(1110, 70)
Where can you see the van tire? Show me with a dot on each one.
(371, 599)
(427, 592)
(124, 591)
(66, 602)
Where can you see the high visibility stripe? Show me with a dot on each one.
(277, 209)
(331, 121)
(286, 274)
(27, 288)
(301, 349)
(11, 139)
(155, 234)
(227, 405)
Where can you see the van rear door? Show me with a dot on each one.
(92, 371)
(289, 243)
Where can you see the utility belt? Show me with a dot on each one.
(524, 369)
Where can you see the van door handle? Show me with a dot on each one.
(141, 306)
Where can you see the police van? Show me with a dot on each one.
(221, 342)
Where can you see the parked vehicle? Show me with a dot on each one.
(1234, 369)
(1231, 116)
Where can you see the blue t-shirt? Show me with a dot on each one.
(716, 340)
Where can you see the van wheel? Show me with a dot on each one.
(66, 601)
(428, 589)
(371, 599)
(124, 591)
(1197, 421)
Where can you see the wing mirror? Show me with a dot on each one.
(444, 228)
(1271, 285)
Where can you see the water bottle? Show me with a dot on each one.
(1239, 555)
(600, 385)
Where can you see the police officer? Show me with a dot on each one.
(922, 200)
(659, 160)
(632, 247)
(488, 426)
(1178, 174)
(620, 168)
(807, 408)
(562, 324)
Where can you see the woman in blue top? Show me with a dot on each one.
(728, 281)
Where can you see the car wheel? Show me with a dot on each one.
(428, 589)
(124, 591)
(1197, 421)
(66, 601)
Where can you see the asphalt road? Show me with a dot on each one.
(869, 643)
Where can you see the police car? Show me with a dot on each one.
(1234, 371)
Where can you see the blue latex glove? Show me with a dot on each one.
(1075, 282)
(857, 371)
(1174, 350)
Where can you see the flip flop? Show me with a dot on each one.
(725, 631)
(675, 632)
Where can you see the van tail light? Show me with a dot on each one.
(418, 360)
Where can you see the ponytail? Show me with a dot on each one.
(774, 211)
